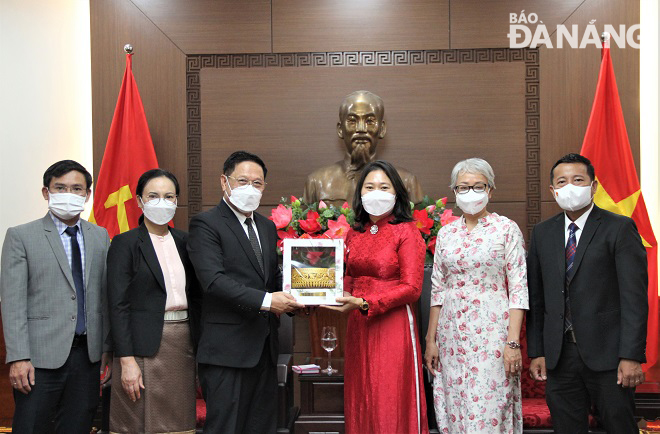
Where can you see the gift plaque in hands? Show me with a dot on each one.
(313, 270)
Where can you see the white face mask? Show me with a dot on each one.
(472, 202)
(378, 203)
(158, 211)
(66, 205)
(572, 198)
(246, 198)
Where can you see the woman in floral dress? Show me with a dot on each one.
(478, 300)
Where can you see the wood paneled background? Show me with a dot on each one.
(204, 96)
(268, 76)
(440, 106)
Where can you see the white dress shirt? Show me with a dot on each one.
(66, 241)
(579, 222)
(265, 305)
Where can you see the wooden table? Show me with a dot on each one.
(321, 400)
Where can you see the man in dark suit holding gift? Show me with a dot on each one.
(586, 327)
(233, 250)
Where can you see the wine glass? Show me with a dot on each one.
(329, 343)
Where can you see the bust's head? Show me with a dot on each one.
(361, 125)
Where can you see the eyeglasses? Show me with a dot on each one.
(477, 188)
(257, 183)
(171, 199)
(63, 189)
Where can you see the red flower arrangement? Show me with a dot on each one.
(296, 219)
(430, 219)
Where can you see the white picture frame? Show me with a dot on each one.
(308, 258)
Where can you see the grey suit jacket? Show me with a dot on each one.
(37, 289)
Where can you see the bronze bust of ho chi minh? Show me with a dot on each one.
(361, 124)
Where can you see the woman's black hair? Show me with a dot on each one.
(148, 176)
(401, 211)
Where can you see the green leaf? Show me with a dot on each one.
(426, 201)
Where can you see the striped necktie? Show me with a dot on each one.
(571, 246)
(254, 242)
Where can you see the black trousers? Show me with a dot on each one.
(69, 395)
(240, 400)
(572, 387)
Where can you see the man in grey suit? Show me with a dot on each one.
(52, 288)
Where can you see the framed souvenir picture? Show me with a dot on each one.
(313, 270)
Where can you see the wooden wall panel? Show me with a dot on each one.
(348, 25)
(568, 83)
(436, 115)
(481, 24)
(212, 26)
(549, 209)
(181, 218)
(159, 68)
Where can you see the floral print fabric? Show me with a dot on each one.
(478, 276)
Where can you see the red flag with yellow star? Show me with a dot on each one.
(606, 145)
(129, 152)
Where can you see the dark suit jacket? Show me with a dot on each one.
(137, 295)
(234, 330)
(608, 291)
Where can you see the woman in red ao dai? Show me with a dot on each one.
(385, 255)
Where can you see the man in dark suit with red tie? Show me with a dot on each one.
(233, 250)
(586, 326)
